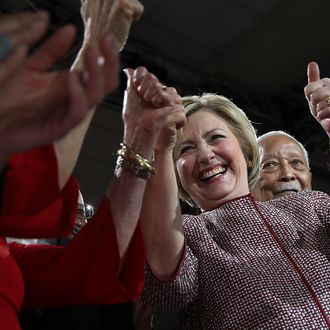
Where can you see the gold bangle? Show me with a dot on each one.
(133, 157)
(132, 168)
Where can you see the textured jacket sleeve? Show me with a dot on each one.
(321, 203)
(178, 292)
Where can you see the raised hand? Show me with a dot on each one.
(102, 17)
(39, 106)
(317, 93)
(159, 96)
(148, 105)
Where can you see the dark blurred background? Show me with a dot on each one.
(253, 51)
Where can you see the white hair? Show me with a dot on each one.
(272, 133)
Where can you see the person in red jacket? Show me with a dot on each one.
(104, 262)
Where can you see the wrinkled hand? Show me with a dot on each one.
(148, 107)
(316, 91)
(102, 17)
(169, 133)
(38, 106)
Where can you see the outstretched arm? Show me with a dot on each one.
(100, 18)
(317, 93)
(146, 110)
(161, 214)
(145, 113)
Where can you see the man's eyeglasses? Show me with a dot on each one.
(85, 211)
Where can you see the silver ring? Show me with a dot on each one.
(5, 46)
(164, 88)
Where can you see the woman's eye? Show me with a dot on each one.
(217, 137)
(185, 149)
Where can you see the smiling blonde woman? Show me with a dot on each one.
(240, 264)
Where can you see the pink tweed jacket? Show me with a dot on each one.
(253, 265)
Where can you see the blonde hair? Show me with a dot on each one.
(239, 124)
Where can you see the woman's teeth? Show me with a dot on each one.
(209, 174)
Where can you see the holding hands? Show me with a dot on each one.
(317, 93)
(149, 106)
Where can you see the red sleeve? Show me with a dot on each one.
(32, 203)
(86, 271)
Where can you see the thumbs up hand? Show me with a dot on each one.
(317, 93)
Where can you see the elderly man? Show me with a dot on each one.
(284, 166)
